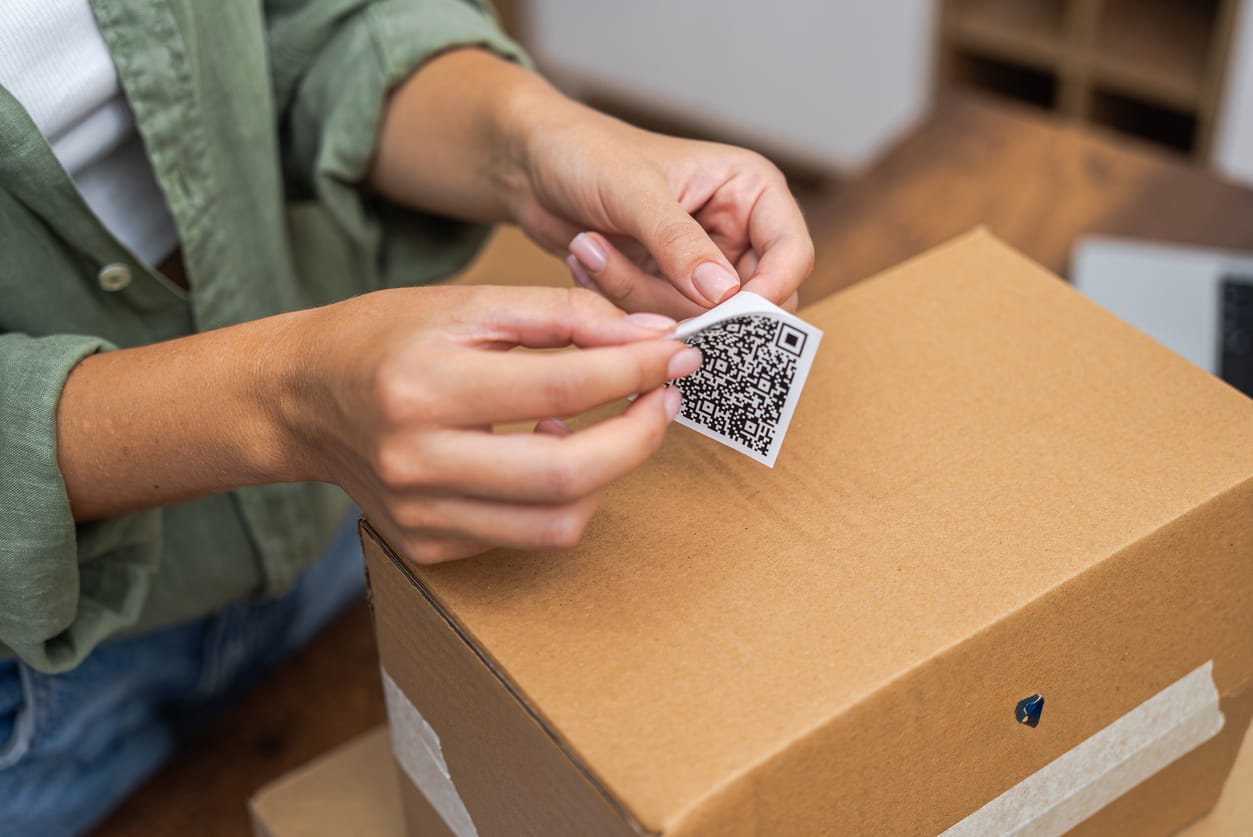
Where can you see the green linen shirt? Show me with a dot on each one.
(259, 117)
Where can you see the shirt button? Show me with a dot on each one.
(114, 277)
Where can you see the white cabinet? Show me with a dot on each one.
(828, 84)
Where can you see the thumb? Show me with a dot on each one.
(685, 253)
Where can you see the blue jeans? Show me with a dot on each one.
(74, 745)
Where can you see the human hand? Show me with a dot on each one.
(670, 225)
(657, 223)
(398, 410)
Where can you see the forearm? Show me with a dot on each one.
(173, 421)
(453, 136)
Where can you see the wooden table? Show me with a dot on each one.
(1037, 184)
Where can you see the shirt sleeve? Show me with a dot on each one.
(333, 64)
(45, 559)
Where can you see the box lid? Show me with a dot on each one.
(974, 434)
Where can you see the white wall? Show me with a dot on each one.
(1233, 139)
(829, 82)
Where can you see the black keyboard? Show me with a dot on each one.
(1236, 366)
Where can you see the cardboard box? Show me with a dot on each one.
(353, 790)
(991, 490)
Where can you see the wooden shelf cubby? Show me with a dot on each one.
(1027, 32)
(1150, 68)
(1171, 127)
(1005, 78)
(1156, 50)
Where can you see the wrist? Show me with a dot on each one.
(518, 116)
(533, 120)
(276, 378)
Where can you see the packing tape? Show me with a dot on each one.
(419, 754)
(1083, 780)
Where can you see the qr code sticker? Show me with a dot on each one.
(741, 390)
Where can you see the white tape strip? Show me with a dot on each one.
(1084, 780)
(417, 750)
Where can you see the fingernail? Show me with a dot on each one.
(578, 273)
(589, 253)
(714, 281)
(684, 363)
(653, 322)
(674, 402)
(553, 427)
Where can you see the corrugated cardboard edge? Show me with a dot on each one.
(496, 671)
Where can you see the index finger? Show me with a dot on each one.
(518, 386)
(785, 252)
(547, 318)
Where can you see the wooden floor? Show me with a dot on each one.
(1037, 184)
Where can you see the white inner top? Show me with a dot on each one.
(55, 62)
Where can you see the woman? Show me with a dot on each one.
(181, 185)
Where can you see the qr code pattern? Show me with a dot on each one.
(741, 388)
